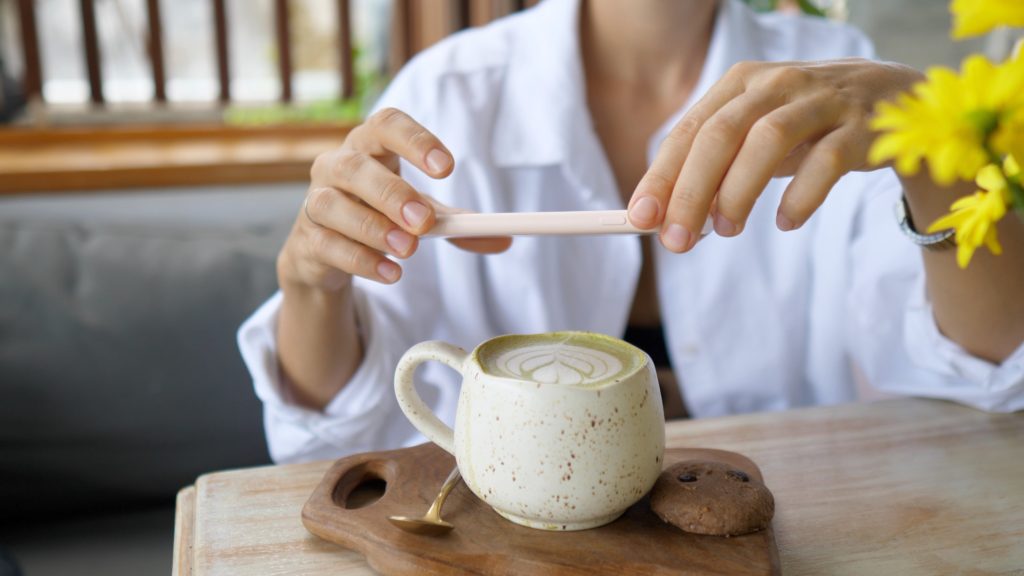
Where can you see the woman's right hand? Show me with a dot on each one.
(358, 208)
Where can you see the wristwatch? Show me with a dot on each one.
(938, 241)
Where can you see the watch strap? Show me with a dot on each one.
(942, 240)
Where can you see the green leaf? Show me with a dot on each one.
(807, 6)
(810, 7)
(763, 5)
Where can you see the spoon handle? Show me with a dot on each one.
(446, 488)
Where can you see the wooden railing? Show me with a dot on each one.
(415, 25)
(50, 157)
(82, 159)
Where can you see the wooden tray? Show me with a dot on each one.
(485, 543)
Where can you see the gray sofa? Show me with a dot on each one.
(120, 380)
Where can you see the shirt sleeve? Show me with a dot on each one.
(362, 416)
(892, 331)
(931, 349)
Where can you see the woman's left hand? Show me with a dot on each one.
(808, 120)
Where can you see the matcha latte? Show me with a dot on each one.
(567, 358)
(558, 431)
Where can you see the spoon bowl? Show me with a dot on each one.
(431, 523)
(421, 525)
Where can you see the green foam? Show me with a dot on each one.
(582, 359)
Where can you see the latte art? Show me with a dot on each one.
(575, 359)
(558, 364)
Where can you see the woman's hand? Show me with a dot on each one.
(806, 120)
(358, 209)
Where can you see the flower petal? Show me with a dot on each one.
(992, 242)
(991, 178)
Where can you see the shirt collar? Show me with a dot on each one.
(543, 117)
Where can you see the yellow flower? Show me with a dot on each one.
(948, 120)
(974, 17)
(974, 217)
(1009, 136)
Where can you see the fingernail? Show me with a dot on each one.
(644, 210)
(723, 226)
(783, 223)
(388, 270)
(400, 241)
(676, 238)
(438, 161)
(414, 213)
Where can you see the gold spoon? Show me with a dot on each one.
(431, 523)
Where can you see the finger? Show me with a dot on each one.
(442, 208)
(712, 153)
(361, 223)
(333, 250)
(363, 176)
(494, 245)
(794, 159)
(391, 131)
(647, 205)
(827, 161)
(766, 146)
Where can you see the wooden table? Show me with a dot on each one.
(895, 487)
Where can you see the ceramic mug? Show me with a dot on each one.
(559, 431)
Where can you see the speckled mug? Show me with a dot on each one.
(549, 431)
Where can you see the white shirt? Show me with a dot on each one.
(763, 321)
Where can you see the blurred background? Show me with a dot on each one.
(153, 154)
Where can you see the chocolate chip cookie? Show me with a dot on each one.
(713, 498)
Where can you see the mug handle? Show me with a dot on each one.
(415, 409)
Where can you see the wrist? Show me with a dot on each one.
(319, 345)
(927, 201)
(320, 308)
(332, 286)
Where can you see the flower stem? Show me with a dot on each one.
(1017, 195)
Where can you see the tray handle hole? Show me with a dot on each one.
(360, 487)
(366, 493)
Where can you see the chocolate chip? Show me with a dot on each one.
(687, 478)
(738, 475)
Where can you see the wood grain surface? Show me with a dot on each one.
(484, 543)
(896, 487)
(184, 525)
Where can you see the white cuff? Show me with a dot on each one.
(353, 420)
(930, 349)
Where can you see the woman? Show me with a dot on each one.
(579, 105)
